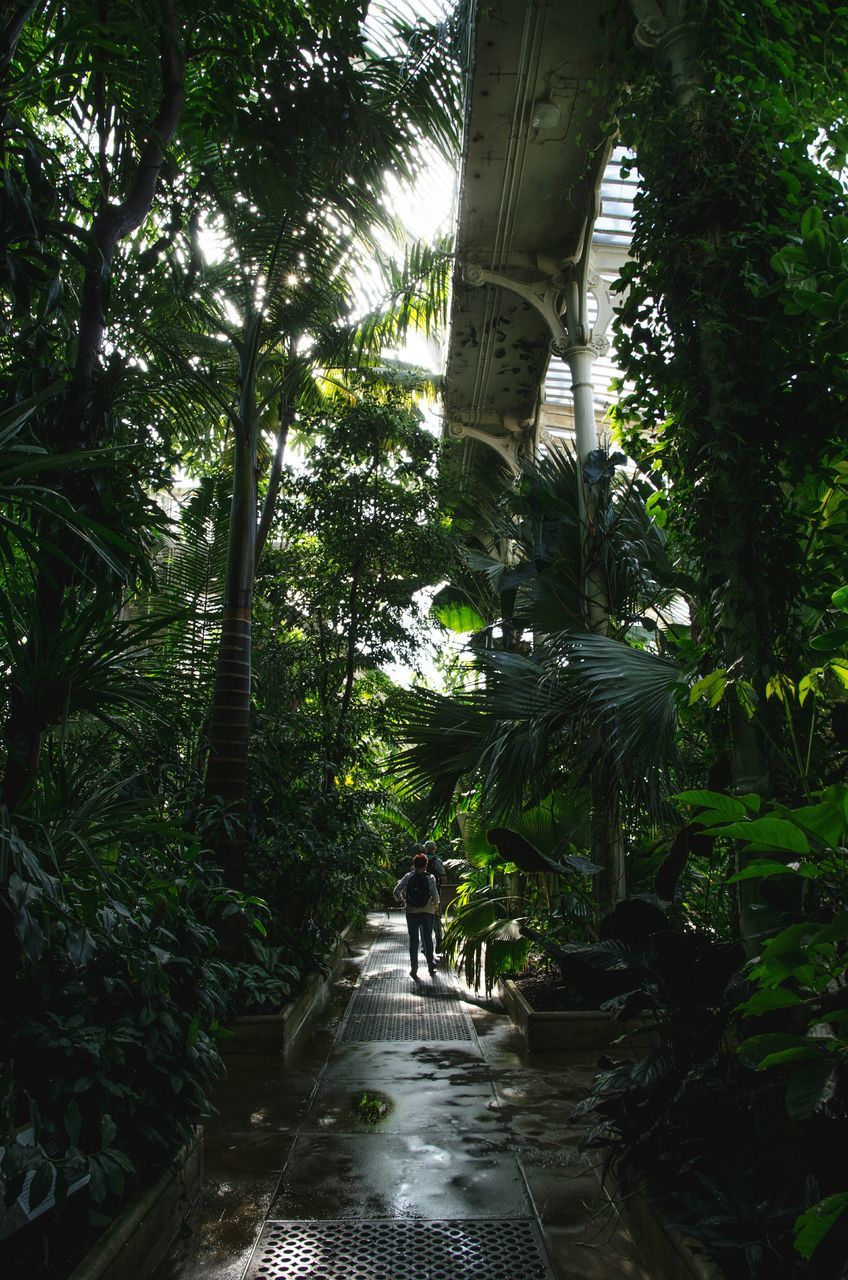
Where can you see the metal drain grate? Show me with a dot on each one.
(386, 972)
(399, 1250)
(386, 1002)
(387, 962)
(424, 1024)
(393, 1003)
(389, 982)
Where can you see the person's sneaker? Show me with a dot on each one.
(413, 973)
(432, 971)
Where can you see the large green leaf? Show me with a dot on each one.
(768, 833)
(765, 1001)
(812, 1086)
(813, 1225)
(513, 847)
(826, 820)
(760, 869)
(457, 615)
(754, 1051)
(716, 801)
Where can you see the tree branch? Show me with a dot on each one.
(115, 221)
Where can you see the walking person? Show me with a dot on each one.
(436, 869)
(418, 891)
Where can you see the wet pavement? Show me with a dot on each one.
(444, 1138)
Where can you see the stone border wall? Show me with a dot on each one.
(280, 1032)
(567, 1029)
(137, 1241)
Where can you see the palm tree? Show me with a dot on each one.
(559, 707)
(286, 286)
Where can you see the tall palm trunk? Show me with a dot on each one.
(275, 478)
(606, 832)
(607, 837)
(229, 725)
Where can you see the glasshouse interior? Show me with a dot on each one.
(424, 625)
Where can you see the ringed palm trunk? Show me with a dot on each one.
(229, 725)
(606, 833)
(607, 837)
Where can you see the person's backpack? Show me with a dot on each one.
(417, 890)
(435, 869)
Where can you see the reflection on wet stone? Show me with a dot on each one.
(468, 1145)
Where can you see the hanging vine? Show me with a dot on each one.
(736, 122)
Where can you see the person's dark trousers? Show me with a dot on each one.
(420, 923)
(437, 932)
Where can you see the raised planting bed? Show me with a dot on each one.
(668, 1253)
(138, 1239)
(280, 1032)
(560, 1028)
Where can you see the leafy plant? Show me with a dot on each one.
(121, 994)
(511, 889)
(372, 1107)
(766, 1036)
(265, 982)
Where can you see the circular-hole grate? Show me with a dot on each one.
(386, 1249)
(388, 980)
(393, 1003)
(423, 1024)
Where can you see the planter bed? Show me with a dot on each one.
(560, 1029)
(138, 1239)
(668, 1253)
(280, 1032)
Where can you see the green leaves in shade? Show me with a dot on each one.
(827, 820)
(514, 847)
(836, 637)
(829, 641)
(729, 806)
(711, 688)
(813, 1225)
(761, 869)
(773, 1048)
(42, 1184)
(812, 1087)
(767, 1000)
(769, 833)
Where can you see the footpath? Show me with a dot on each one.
(413, 1139)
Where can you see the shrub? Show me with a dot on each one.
(113, 1039)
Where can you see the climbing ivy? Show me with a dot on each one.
(728, 329)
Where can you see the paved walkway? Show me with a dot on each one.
(460, 1164)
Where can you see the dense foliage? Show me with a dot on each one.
(218, 507)
(719, 673)
(183, 229)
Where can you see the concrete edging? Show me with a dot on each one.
(138, 1239)
(668, 1253)
(280, 1032)
(566, 1029)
